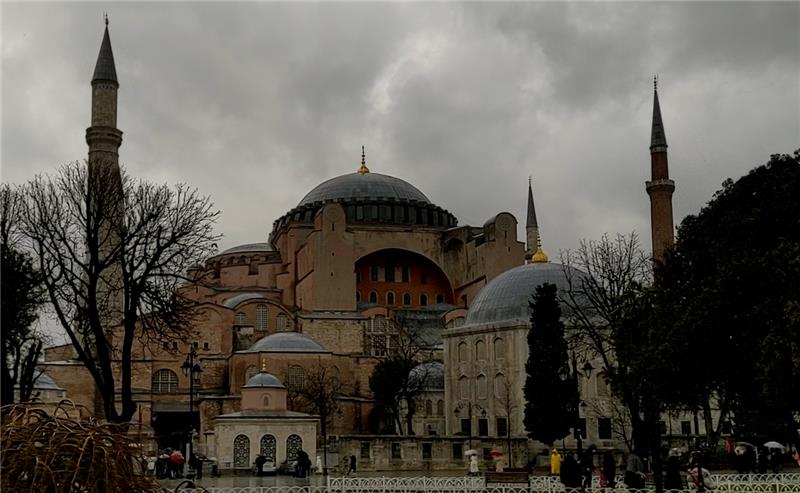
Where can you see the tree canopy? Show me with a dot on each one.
(551, 392)
(729, 289)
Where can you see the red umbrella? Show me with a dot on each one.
(495, 453)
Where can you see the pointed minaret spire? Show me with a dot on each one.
(660, 187)
(363, 169)
(531, 225)
(104, 69)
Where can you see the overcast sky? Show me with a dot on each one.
(257, 103)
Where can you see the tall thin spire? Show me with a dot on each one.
(104, 69)
(531, 224)
(659, 187)
(658, 138)
(363, 169)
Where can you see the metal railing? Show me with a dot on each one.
(722, 483)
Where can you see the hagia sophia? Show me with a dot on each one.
(361, 257)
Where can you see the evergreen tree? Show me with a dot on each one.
(551, 393)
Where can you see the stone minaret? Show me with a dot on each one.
(531, 226)
(659, 187)
(105, 184)
(103, 137)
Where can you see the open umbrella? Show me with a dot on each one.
(470, 452)
(495, 453)
(742, 447)
(775, 446)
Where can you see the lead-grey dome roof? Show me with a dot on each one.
(249, 247)
(431, 373)
(263, 379)
(364, 186)
(506, 297)
(241, 298)
(287, 342)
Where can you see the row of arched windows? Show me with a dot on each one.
(480, 350)
(241, 449)
(372, 297)
(439, 407)
(262, 319)
(481, 387)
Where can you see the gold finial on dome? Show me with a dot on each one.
(264, 365)
(539, 257)
(363, 169)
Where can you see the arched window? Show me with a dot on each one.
(282, 321)
(268, 447)
(266, 400)
(241, 451)
(295, 376)
(261, 317)
(358, 297)
(423, 300)
(428, 408)
(481, 386)
(500, 390)
(462, 352)
(165, 382)
(250, 373)
(463, 387)
(241, 319)
(480, 350)
(390, 298)
(439, 298)
(602, 385)
(373, 297)
(407, 299)
(499, 348)
(293, 445)
(440, 407)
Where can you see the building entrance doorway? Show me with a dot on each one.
(172, 429)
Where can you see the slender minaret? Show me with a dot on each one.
(103, 137)
(660, 187)
(105, 198)
(531, 226)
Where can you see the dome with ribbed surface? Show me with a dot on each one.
(430, 375)
(263, 379)
(287, 342)
(248, 248)
(505, 299)
(363, 186)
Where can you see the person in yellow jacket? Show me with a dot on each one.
(555, 463)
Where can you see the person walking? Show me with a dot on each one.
(674, 478)
(352, 468)
(634, 472)
(196, 464)
(608, 470)
(259, 462)
(473, 465)
(555, 463)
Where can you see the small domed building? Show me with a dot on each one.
(263, 426)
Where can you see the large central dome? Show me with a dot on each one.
(364, 186)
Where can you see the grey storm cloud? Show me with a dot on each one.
(256, 103)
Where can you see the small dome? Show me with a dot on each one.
(241, 298)
(506, 297)
(249, 248)
(263, 379)
(287, 342)
(362, 186)
(431, 374)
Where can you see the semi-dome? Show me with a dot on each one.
(248, 248)
(287, 342)
(430, 374)
(364, 186)
(505, 299)
(263, 379)
(233, 301)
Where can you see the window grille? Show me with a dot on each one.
(261, 317)
(165, 382)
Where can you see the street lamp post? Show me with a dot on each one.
(191, 369)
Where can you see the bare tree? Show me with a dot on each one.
(506, 399)
(317, 394)
(604, 278)
(22, 300)
(113, 252)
